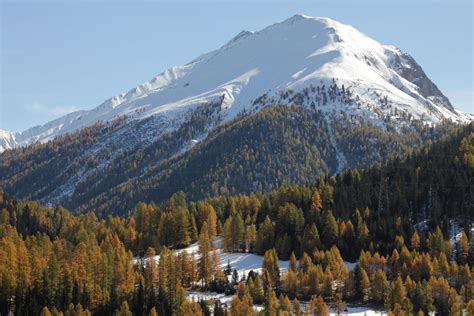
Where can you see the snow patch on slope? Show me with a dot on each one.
(341, 159)
(243, 263)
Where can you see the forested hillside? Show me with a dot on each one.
(257, 152)
(36, 170)
(395, 220)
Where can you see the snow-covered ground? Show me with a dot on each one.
(227, 300)
(360, 311)
(242, 262)
(207, 296)
(457, 230)
(349, 265)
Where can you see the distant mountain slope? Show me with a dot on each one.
(210, 127)
(291, 54)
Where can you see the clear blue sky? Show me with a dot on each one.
(58, 56)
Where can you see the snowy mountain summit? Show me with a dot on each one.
(255, 69)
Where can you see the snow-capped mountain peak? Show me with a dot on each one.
(290, 55)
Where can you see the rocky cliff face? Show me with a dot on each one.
(409, 69)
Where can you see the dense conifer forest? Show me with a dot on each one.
(395, 221)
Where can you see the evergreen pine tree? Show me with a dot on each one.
(330, 229)
(265, 237)
(205, 264)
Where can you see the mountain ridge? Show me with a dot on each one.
(255, 63)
